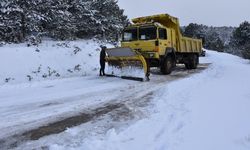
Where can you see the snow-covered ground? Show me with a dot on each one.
(207, 110)
(49, 60)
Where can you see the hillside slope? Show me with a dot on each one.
(49, 60)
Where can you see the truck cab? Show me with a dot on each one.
(151, 40)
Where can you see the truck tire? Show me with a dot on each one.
(167, 65)
(193, 61)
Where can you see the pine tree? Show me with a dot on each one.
(109, 18)
(194, 30)
(241, 39)
(213, 41)
(11, 21)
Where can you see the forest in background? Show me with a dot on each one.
(60, 19)
(233, 40)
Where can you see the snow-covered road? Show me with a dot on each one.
(28, 106)
(209, 110)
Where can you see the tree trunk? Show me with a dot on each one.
(23, 27)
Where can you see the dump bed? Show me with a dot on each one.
(189, 45)
(183, 44)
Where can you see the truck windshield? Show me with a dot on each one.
(147, 33)
(130, 34)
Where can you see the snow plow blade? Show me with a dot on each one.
(132, 78)
(126, 63)
(126, 77)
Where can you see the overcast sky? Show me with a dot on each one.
(208, 12)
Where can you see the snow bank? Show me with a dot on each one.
(49, 60)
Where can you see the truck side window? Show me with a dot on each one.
(130, 34)
(162, 33)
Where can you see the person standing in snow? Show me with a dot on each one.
(102, 60)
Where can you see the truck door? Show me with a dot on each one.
(163, 40)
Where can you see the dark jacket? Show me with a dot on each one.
(102, 56)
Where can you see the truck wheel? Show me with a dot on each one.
(193, 61)
(167, 65)
(187, 65)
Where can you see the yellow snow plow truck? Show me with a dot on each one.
(155, 41)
